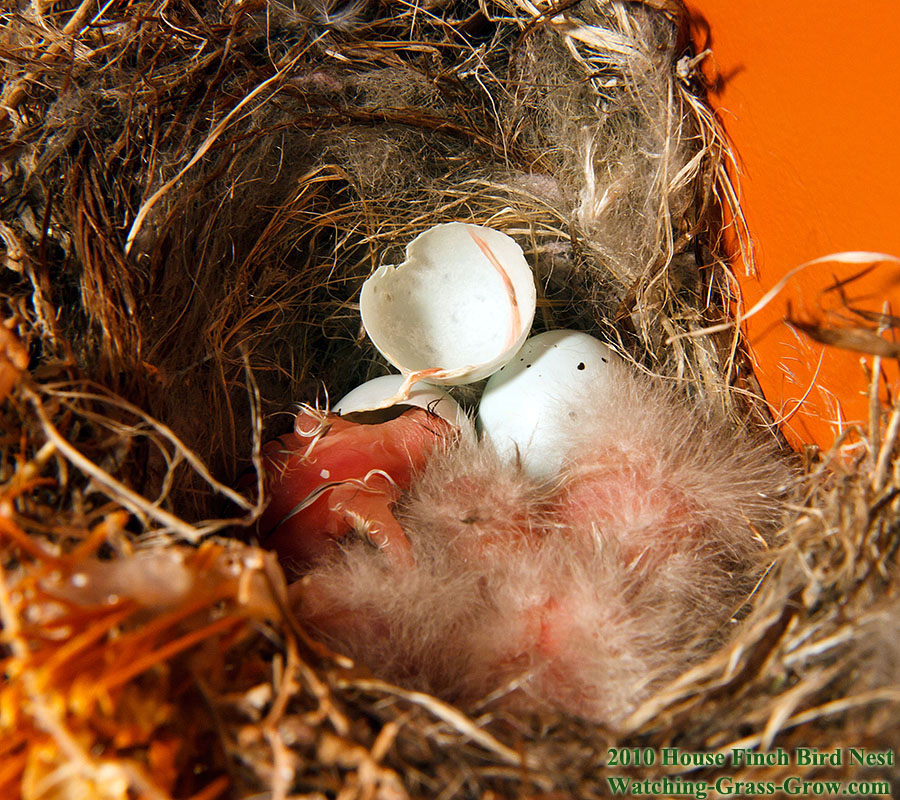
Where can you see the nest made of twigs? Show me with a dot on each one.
(192, 195)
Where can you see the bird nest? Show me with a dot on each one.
(192, 196)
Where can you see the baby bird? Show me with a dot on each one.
(331, 476)
(580, 593)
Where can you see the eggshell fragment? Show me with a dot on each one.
(456, 310)
(531, 405)
(373, 394)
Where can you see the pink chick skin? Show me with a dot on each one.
(580, 593)
(331, 477)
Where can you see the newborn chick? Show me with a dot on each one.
(579, 594)
(331, 477)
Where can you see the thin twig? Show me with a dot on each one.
(443, 711)
(848, 257)
(17, 92)
(151, 201)
(121, 493)
(192, 458)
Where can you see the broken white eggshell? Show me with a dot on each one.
(372, 395)
(530, 407)
(456, 310)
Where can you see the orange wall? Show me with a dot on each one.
(810, 94)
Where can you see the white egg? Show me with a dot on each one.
(456, 310)
(372, 395)
(530, 407)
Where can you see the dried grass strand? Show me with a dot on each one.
(446, 713)
(216, 132)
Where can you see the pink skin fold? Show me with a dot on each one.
(324, 486)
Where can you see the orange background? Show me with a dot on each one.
(809, 92)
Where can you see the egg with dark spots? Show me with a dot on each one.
(526, 413)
